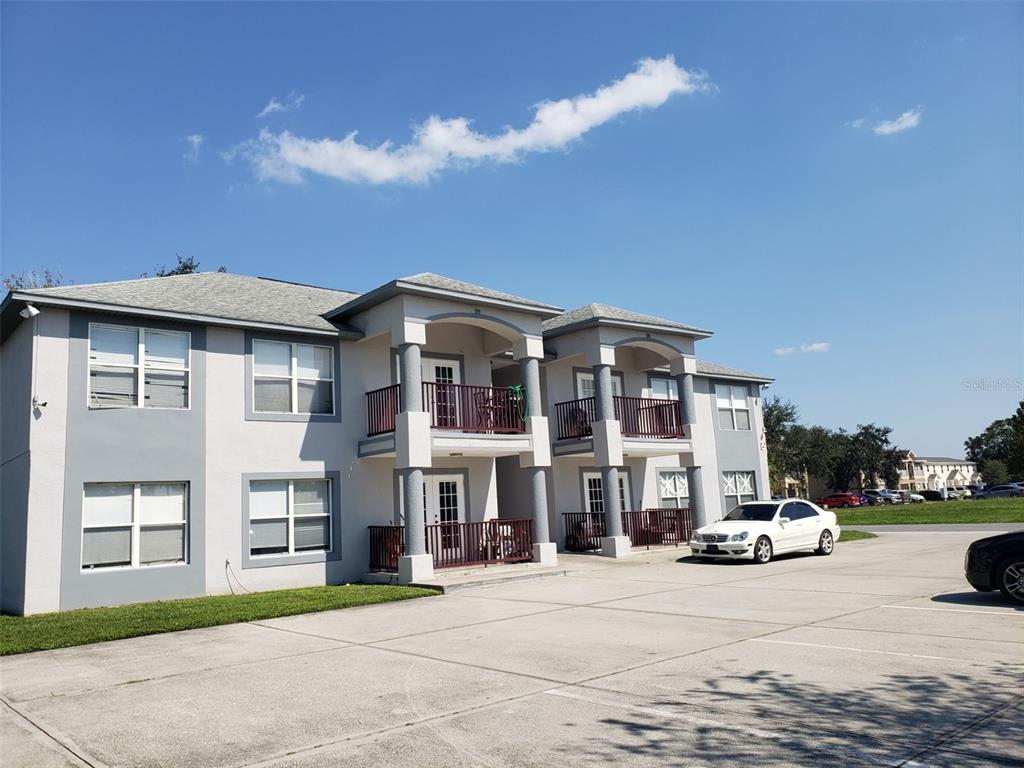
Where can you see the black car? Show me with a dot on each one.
(997, 562)
(932, 495)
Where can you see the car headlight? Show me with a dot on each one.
(695, 536)
(739, 536)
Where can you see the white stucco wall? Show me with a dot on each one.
(47, 440)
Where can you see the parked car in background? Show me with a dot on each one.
(915, 498)
(997, 562)
(758, 530)
(841, 499)
(884, 495)
(933, 496)
(1002, 491)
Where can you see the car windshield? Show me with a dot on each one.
(761, 512)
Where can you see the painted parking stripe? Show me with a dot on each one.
(709, 723)
(950, 610)
(880, 653)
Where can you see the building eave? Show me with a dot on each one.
(693, 333)
(398, 287)
(343, 332)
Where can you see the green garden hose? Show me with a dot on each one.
(519, 398)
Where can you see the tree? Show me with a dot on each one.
(1015, 448)
(993, 471)
(34, 278)
(993, 443)
(187, 265)
(865, 457)
(778, 416)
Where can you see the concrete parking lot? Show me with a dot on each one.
(878, 655)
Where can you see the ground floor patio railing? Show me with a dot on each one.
(645, 528)
(485, 542)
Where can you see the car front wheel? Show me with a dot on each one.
(1010, 578)
(762, 550)
(825, 544)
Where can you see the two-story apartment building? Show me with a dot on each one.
(931, 473)
(188, 435)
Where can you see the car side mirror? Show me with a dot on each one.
(783, 520)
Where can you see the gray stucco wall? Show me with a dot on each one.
(15, 415)
(737, 450)
(132, 445)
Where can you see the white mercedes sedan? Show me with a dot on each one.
(757, 530)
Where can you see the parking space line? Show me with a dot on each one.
(880, 653)
(952, 610)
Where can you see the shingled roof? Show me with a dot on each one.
(597, 314)
(210, 296)
(713, 370)
(431, 284)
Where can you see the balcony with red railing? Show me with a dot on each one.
(645, 528)
(484, 542)
(456, 407)
(637, 417)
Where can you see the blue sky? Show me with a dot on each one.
(843, 175)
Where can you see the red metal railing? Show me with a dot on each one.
(486, 542)
(583, 530)
(481, 543)
(387, 544)
(656, 527)
(574, 418)
(451, 406)
(645, 528)
(470, 408)
(649, 417)
(637, 416)
(382, 409)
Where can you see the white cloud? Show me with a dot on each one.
(909, 119)
(193, 145)
(904, 122)
(439, 143)
(817, 346)
(812, 347)
(290, 103)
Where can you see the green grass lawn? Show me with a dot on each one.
(21, 634)
(848, 535)
(966, 511)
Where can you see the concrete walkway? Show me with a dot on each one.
(878, 655)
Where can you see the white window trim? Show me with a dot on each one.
(733, 407)
(674, 471)
(136, 525)
(589, 376)
(290, 518)
(293, 377)
(738, 496)
(140, 367)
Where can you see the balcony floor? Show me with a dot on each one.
(445, 442)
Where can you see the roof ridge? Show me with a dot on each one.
(120, 282)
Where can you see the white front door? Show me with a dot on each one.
(443, 400)
(593, 490)
(444, 499)
(445, 507)
(441, 371)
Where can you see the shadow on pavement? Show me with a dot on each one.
(977, 599)
(770, 717)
